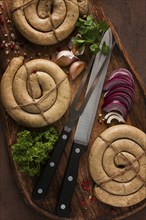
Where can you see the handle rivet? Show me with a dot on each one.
(70, 178)
(77, 150)
(52, 164)
(63, 206)
(64, 137)
(40, 191)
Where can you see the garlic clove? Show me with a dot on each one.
(65, 58)
(76, 69)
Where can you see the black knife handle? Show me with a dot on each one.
(63, 208)
(43, 184)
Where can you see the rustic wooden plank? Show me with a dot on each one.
(128, 18)
(25, 183)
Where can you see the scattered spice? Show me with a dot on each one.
(25, 54)
(100, 118)
(7, 52)
(82, 202)
(88, 197)
(12, 46)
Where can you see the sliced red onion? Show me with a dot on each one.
(123, 100)
(127, 90)
(120, 71)
(117, 82)
(119, 93)
(116, 106)
(116, 101)
(121, 75)
(124, 77)
(120, 96)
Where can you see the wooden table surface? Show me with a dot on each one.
(129, 20)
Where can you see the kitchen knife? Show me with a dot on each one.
(83, 131)
(46, 176)
(43, 184)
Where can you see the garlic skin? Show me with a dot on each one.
(76, 69)
(65, 58)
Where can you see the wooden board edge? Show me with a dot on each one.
(132, 212)
(26, 196)
(123, 50)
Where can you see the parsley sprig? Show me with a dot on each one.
(90, 34)
(32, 149)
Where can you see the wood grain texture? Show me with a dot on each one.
(26, 212)
(129, 19)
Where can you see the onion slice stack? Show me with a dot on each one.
(118, 95)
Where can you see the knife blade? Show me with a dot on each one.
(83, 131)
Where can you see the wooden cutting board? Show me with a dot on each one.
(94, 209)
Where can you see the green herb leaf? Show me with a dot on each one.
(94, 48)
(32, 149)
(105, 49)
(90, 34)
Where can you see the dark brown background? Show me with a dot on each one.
(129, 19)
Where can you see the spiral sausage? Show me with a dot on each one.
(46, 22)
(117, 163)
(36, 93)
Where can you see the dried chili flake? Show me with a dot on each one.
(82, 202)
(86, 185)
(92, 199)
(12, 46)
(88, 188)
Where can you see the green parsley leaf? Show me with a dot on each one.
(90, 34)
(32, 149)
(94, 48)
(105, 49)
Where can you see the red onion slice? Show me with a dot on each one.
(119, 92)
(116, 106)
(120, 96)
(122, 99)
(117, 82)
(120, 71)
(127, 90)
(124, 77)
